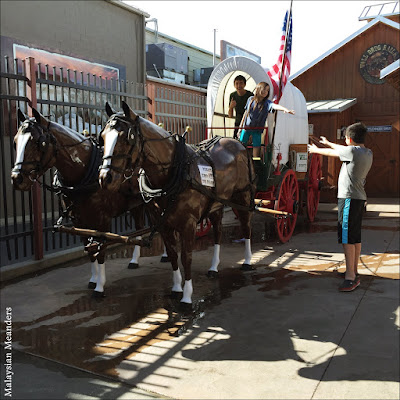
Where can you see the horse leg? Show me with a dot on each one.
(95, 270)
(134, 263)
(138, 216)
(164, 256)
(245, 222)
(101, 277)
(170, 247)
(216, 220)
(187, 244)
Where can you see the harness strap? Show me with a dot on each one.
(89, 182)
(200, 188)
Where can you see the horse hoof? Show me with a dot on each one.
(164, 259)
(98, 295)
(176, 295)
(91, 285)
(212, 274)
(133, 265)
(185, 308)
(247, 267)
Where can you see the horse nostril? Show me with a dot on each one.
(16, 178)
(105, 178)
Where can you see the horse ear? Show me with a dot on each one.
(21, 116)
(109, 110)
(40, 119)
(128, 111)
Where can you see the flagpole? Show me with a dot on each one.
(288, 22)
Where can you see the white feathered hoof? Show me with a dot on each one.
(91, 285)
(176, 295)
(185, 308)
(98, 295)
(247, 267)
(212, 274)
(164, 259)
(133, 265)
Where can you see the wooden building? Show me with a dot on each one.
(344, 86)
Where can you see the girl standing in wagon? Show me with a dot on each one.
(256, 112)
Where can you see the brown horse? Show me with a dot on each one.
(42, 144)
(181, 183)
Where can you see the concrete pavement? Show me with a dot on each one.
(282, 331)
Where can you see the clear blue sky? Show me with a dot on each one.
(256, 25)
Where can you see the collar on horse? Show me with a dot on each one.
(89, 182)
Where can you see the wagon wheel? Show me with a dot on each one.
(203, 227)
(313, 186)
(287, 200)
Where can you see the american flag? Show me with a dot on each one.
(275, 72)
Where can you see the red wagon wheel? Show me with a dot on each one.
(203, 227)
(287, 200)
(313, 186)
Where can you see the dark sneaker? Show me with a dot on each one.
(343, 275)
(348, 286)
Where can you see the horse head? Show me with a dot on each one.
(122, 147)
(35, 150)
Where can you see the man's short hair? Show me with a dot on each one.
(357, 132)
(240, 78)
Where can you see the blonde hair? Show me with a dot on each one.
(257, 94)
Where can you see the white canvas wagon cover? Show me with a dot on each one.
(290, 129)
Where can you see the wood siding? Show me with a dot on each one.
(338, 76)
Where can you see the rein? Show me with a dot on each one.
(134, 132)
(89, 182)
(45, 138)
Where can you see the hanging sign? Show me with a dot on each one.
(381, 128)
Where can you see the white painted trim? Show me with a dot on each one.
(129, 8)
(175, 84)
(375, 21)
(390, 68)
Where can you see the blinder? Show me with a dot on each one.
(131, 134)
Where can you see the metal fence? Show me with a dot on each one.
(73, 99)
(77, 100)
(177, 107)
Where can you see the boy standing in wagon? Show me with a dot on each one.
(357, 161)
(237, 101)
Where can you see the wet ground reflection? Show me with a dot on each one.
(138, 312)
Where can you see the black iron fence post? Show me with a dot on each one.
(36, 192)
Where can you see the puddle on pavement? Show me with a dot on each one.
(97, 335)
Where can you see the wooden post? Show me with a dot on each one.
(36, 191)
(151, 95)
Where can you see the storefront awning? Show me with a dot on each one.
(328, 106)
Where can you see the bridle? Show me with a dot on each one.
(133, 137)
(43, 141)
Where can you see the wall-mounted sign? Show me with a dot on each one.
(43, 58)
(381, 128)
(374, 59)
(230, 50)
